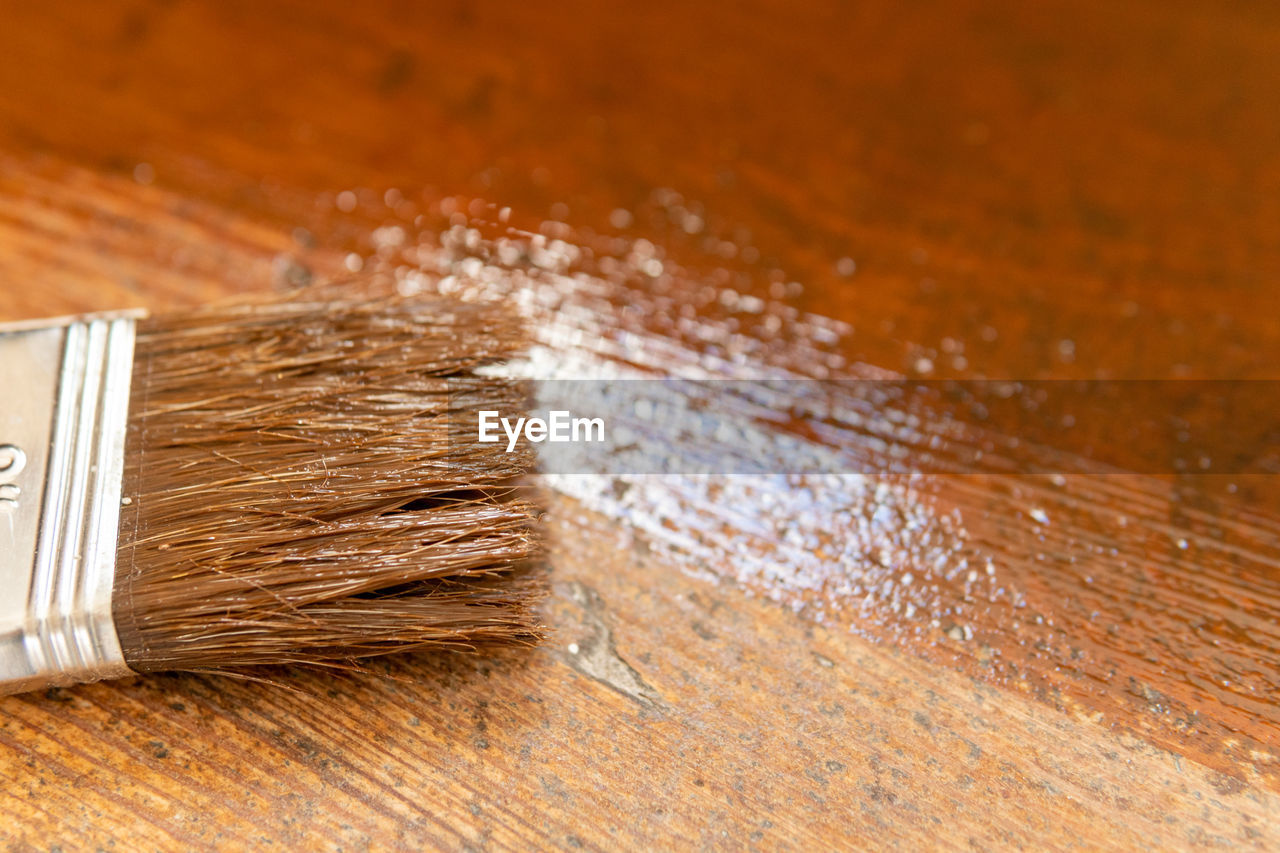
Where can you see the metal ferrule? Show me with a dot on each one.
(64, 408)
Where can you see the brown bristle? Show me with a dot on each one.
(299, 487)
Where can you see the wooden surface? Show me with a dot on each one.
(1021, 190)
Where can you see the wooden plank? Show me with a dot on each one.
(1073, 174)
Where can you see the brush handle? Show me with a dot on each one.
(64, 399)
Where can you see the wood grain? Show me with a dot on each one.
(1058, 173)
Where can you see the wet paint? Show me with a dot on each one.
(1147, 599)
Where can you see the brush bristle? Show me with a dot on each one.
(299, 488)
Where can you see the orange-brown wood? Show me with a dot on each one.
(1045, 190)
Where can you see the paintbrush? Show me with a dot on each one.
(287, 480)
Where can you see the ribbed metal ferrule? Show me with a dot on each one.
(64, 400)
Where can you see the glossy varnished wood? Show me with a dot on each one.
(1100, 176)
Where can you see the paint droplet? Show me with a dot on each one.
(573, 648)
(1040, 516)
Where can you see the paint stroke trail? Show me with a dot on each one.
(1148, 600)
